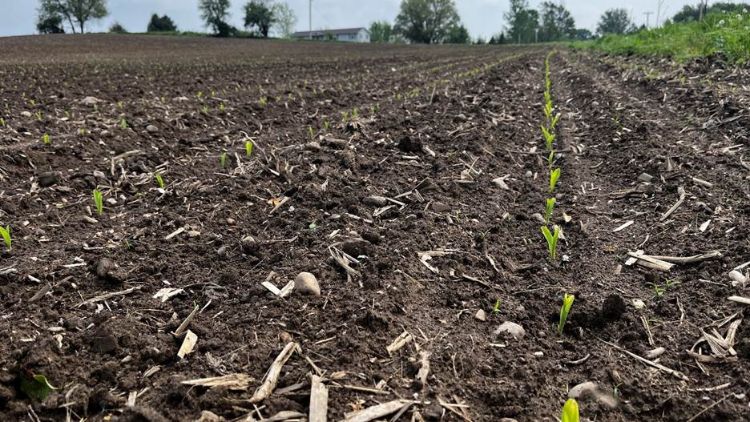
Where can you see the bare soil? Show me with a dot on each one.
(376, 154)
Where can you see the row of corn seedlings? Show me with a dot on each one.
(551, 231)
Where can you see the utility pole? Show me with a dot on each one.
(310, 16)
(647, 16)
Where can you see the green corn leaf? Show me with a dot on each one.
(98, 201)
(36, 387)
(570, 411)
(248, 147)
(548, 209)
(564, 311)
(554, 176)
(551, 238)
(5, 233)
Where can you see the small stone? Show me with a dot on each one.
(539, 354)
(613, 307)
(48, 179)
(312, 146)
(26, 113)
(529, 174)
(377, 201)
(249, 245)
(481, 315)
(307, 284)
(591, 390)
(103, 341)
(515, 330)
(208, 416)
(231, 221)
(152, 129)
(638, 304)
(90, 101)
(222, 250)
(104, 267)
(655, 353)
(409, 144)
(645, 178)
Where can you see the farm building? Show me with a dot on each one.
(347, 35)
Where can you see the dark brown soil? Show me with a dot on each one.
(334, 126)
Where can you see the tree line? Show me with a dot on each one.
(418, 21)
(260, 17)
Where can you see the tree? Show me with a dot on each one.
(583, 34)
(76, 12)
(557, 23)
(426, 21)
(161, 24)
(458, 35)
(522, 22)
(284, 19)
(49, 22)
(695, 13)
(259, 15)
(215, 13)
(381, 32)
(615, 21)
(116, 28)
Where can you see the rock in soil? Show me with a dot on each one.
(409, 144)
(481, 315)
(307, 284)
(613, 307)
(152, 129)
(48, 179)
(511, 328)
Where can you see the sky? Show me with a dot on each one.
(482, 17)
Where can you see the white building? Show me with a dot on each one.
(346, 35)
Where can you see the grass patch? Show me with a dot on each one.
(725, 35)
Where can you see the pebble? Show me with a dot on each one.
(590, 389)
(481, 315)
(90, 101)
(26, 113)
(638, 304)
(152, 129)
(307, 284)
(511, 328)
(645, 178)
(613, 307)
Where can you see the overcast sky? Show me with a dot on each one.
(482, 17)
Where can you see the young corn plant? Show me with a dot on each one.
(549, 138)
(46, 140)
(98, 201)
(159, 180)
(248, 147)
(570, 412)
(551, 237)
(554, 176)
(564, 311)
(263, 102)
(549, 207)
(223, 159)
(5, 233)
(123, 124)
(2, 122)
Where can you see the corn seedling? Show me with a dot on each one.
(39, 115)
(496, 307)
(2, 122)
(98, 201)
(570, 412)
(248, 147)
(555, 120)
(549, 138)
(199, 94)
(551, 158)
(46, 140)
(326, 125)
(159, 180)
(204, 109)
(549, 207)
(554, 176)
(311, 132)
(120, 105)
(5, 233)
(551, 238)
(35, 386)
(123, 124)
(223, 159)
(222, 108)
(263, 102)
(564, 311)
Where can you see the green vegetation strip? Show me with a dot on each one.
(724, 35)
